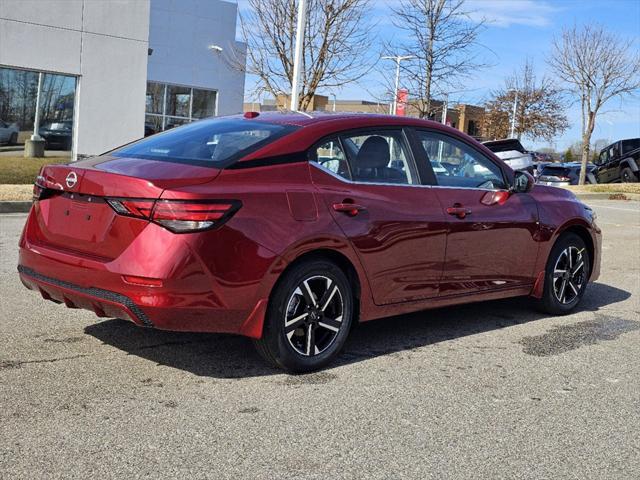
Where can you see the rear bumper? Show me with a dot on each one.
(194, 296)
(104, 303)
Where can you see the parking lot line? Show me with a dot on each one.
(637, 210)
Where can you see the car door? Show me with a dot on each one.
(490, 232)
(369, 183)
(610, 169)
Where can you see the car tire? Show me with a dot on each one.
(566, 275)
(627, 176)
(308, 318)
(14, 139)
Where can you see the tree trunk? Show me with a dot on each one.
(586, 142)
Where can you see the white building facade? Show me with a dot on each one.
(102, 73)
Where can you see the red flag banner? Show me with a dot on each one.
(401, 101)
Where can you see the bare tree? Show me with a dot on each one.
(335, 47)
(597, 66)
(540, 107)
(442, 39)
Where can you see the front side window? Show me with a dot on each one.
(379, 157)
(210, 143)
(455, 164)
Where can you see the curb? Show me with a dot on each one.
(608, 196)
(15, 207)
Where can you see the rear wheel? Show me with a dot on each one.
(308, 318)
(627, 176)
(566, 275)
(14, 139)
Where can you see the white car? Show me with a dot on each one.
(8, 133)
(512, 153)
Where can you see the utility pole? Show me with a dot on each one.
(297, 59)
(397, 59)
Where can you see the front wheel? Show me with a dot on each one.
(567, 274)
(309, 317)
(627, 176)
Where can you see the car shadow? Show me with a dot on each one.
(230, 356)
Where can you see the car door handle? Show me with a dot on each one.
(351, 209)
(459, 211)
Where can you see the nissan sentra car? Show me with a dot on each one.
(290, 228)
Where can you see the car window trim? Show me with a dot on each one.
(352, 182)
(505, 177)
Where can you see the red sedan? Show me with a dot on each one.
(290, 228)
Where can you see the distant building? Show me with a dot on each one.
(466, 118)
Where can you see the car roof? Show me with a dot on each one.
(316, 125)
(314, 118)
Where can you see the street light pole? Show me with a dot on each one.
(513, 118)
(445, 109)
(397, 59)
(36, 119)
(297, 58)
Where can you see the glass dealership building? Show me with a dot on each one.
(104, 73)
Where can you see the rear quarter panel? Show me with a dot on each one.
(280, 214)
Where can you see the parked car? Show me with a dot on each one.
(290, 228)
(563, 174)
(537, 168)
(57, 134)
(512, 153)
(9, 133)
(542, 157)
(619, 162)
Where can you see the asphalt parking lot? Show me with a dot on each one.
(493, 390)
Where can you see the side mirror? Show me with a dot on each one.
(523, 182)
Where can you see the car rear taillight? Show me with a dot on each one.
(132, 207)
(191, 216)
(42, 189)
(178, 216)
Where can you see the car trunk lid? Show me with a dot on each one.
(73, 214)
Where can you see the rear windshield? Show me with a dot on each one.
(561, 171)
(210, 143)
(498, 146)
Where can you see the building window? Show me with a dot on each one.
(473, 129)
(20, 92)
(169, 106)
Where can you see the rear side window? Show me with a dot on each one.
(379, 157)
(367, 157)
(330, 155)
(628, 145)
(210, 143)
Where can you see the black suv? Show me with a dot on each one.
(619, 162)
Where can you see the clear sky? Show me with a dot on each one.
(517, 30)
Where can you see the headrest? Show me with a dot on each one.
(374, 153)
